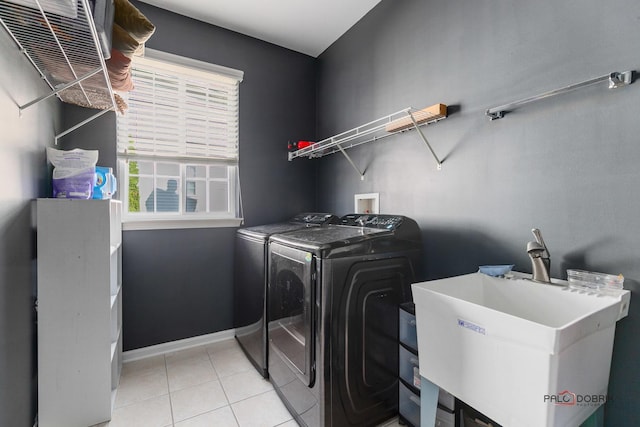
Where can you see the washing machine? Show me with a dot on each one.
(250, 282)
(333, 300)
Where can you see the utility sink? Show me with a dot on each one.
(521, 352)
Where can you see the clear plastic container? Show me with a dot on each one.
(588, 280)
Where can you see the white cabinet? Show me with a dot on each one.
(79, 310)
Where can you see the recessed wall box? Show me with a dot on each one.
(367, 203)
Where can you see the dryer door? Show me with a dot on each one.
(291, 287)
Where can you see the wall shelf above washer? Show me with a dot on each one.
(60, 40)
(400, 121)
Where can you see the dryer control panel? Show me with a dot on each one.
(386, 222)
(313, 218)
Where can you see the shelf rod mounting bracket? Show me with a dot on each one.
(424, 138)
(351, 161)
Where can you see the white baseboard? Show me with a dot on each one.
(168, 347)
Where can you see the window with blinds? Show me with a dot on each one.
(177, 143)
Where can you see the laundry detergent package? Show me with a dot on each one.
(74, 172)
(106, 185)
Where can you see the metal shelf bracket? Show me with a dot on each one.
(59, 89)
(79, 125)
(424, 138)
(351, 162)
(615, 79)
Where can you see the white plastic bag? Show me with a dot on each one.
(74, 173)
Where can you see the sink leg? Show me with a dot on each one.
(428, 402)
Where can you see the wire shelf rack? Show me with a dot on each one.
(392, 124)
(60, 40)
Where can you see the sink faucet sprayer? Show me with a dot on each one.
(540, 261)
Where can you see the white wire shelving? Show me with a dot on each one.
(59, 38)
(392, 124)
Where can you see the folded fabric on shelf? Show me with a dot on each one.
(132, 20)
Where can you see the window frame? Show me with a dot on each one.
(183, 219)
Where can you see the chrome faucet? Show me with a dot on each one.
(540, 260)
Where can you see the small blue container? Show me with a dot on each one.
(495, 270)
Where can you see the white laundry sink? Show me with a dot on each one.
(523, 353)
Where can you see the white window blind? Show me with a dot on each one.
(178, 143)
(182, 112)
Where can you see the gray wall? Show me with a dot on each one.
(178, 283)
(23, 173)
(568, 165)
(99, 135)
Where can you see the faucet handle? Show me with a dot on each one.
(535, 247)
(538, 235)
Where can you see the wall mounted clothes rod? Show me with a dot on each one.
(615, 79)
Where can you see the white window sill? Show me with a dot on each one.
(169, 224)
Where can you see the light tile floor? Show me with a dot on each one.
(213, 385)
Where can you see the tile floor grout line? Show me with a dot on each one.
(213, 365)
(137, 376)
(166, 372)
(253, 395)
(211, 355)
(135, 402)
(246, 398)
(196, 385)
(223, 390)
